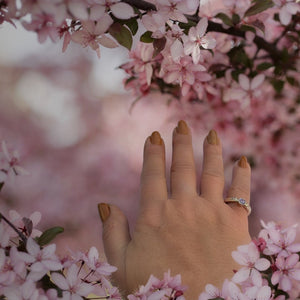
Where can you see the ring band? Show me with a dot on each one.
(240, 201)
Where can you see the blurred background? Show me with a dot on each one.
(81, 139)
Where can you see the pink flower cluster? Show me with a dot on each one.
(270, 268)
(31, 270)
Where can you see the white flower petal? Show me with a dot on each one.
(201, 27)
(103, 24)
(32, 247)
(78, 10)
(257, 81)
(262, 264)
(244, 82)
(60, 281)
(264, 293)
(122, 10)
(284, 16)
(241, 275)
(96, 12)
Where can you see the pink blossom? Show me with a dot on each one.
(100, 268)
(9, 163)
(44, 25)
(249, 257)
(73, 287)
(19, 223)
(280, 242)
(175, 9)
(92, 34)
(212, 292)
(288, 8)
(25, 291)
(41, 260)
(197, 38)
(288, 269)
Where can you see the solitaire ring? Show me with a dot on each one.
(240, 201)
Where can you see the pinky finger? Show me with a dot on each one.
(240, 185)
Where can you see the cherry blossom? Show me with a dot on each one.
(101, 268)
(249, 257)
(41, 260)
(73, 287)
(288, 8)
(197, 38)
(9, 163)
(92, 34)
(288, 269)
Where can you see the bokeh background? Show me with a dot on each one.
(81, 138)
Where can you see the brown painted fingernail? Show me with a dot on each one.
(243, 162)
(182, 127)
(104, 211)
(212, 137)
(155, 138)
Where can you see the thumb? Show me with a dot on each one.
(115, 237)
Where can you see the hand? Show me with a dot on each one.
(189, 234)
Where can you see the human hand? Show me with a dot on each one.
(187, 233)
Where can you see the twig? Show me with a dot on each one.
(20, 234)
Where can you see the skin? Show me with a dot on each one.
(192, 233)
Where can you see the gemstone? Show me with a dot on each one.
(242, 201)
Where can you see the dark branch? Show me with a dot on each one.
(20, 234)
(140, 4)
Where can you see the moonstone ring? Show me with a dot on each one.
(240, 201)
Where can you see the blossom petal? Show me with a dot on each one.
(264, 293)
(257, 81)
(78, 10)
(244, 82)
(122, 10)
(201, 27)
(60, 281)
(241, 275)
(103, 24)
(96, 12)
(262, 264)
(32, 247)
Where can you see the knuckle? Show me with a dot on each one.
(182, 166)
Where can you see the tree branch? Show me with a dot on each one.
(261, 43)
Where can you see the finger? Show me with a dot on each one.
(183, 171)
(240, 185)
(153, 178)
(212, 179)
(115, 236)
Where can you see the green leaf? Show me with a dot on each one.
(159, 45)
(291, 80)
(236, 19)
(278, 85)
(48, 235)
(239, 57)
(146, 37)
(248, 28)
(226, 20)
(1, 185)
(132, 24)
(121, 34)
(264, 66)
(259, 7)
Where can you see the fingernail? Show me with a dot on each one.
(182, 127)
(155, 138)
(212, 137)
(104, 211)
(243, 162)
